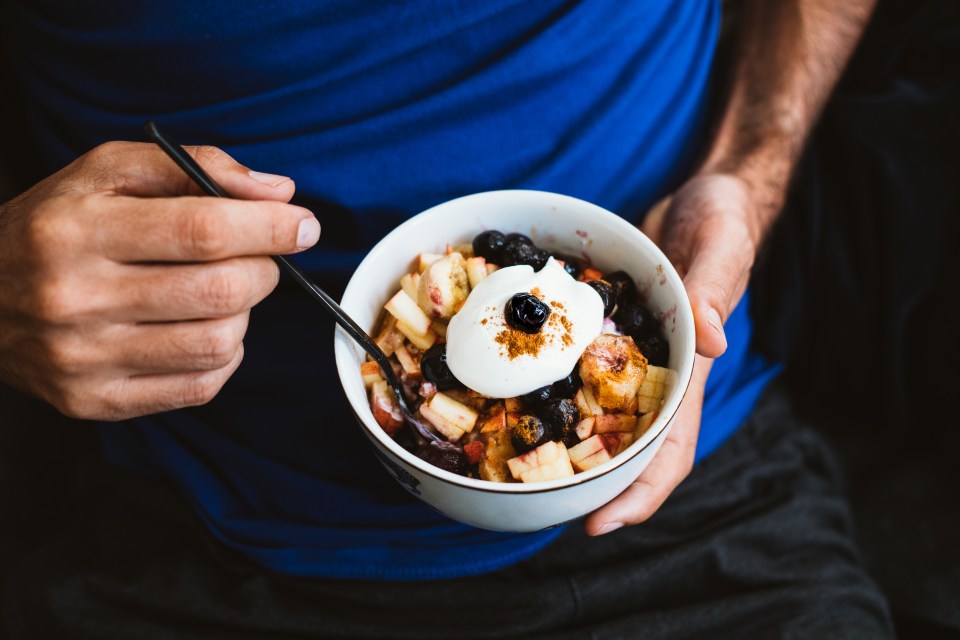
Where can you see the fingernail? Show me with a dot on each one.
(608, 527)
(308, 233)
(268, 178)
(713, 319)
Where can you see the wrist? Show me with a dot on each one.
(763, 171)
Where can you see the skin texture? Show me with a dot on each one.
(788, 57)
(125, 294)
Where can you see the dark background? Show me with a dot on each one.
(854, 292)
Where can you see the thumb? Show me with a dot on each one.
(714, 283)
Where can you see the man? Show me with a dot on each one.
(126, 299)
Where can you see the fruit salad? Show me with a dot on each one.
(535, 364)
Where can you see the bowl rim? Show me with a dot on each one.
(344, 349)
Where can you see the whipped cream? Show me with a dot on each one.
(495, 360)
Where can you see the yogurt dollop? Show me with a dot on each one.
(494, 359)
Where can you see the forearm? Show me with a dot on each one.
(788, 57)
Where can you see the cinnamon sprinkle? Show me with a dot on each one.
(518, 343)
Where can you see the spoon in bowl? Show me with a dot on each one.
(447, 450)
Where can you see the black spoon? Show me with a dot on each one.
(186, 162)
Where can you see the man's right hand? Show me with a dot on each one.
(122, 293)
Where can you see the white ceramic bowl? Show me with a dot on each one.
(560, 223)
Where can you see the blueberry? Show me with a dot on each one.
(537, 397)
(605, 289)
(655, 348)
(623, 286)
(529, 433)
(539, 259)
(573, 266)
(516, 252)
(635, 319)
(448, 459)
(433, 366)
(561, 417)
(520, 238)
(526, 312)
(489, 245)
(567, 387)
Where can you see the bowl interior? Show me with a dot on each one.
(554, 221)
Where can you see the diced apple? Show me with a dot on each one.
(512, 418)
(586, 402)
(616, 442)
(559, 468)
(588, 454)
(389, 338)
(491, 268)
(544, 454)
(407, 312)
(370, 373)
(495, 421)
(406, 360)
(615, 423)
(592, 461)
(439, 328)
(643, 423)
(584, 428)
(410, 282)
(385, 409)
(476, 270)
(446, 428)
(426, 259)
(586, 448)
(444, 286)
(457, 413)
(465, 249)
(422, 341)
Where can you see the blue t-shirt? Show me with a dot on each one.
(378, 110)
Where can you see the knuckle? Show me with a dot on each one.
(224, 292)
(76, 403)
(109, 149)
(48, 228)
(218, 346)
(204, 233)
(52, 302)
(62, 357)
(209, 156)
(199, 390)
(98, 160)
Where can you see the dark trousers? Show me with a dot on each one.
(757, 543)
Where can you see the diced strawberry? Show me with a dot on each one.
(473, 451)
